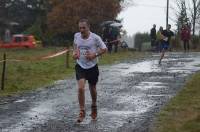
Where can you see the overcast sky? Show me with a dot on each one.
(145, 13)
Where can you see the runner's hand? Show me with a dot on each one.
(75, 55)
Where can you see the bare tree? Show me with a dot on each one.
(188, 11)
(194, 7)
(127, 3)
(181, 13)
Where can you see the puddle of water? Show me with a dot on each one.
(163, 77)
(41, 112)
(34, 116)
(141, 67)
(20, 101)
(118, 113)
(161, 95)
(153, 83)
(144, 87)
(150, 85)
(186, 68)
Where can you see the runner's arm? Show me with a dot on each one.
(102, 47)
(101, 51)
(75, 54)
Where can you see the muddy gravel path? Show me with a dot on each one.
(129, 95)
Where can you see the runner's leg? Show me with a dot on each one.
(188, 45)
(81, 98)
(184, 43)
(162, 55)
(81, 93)
(93, 93)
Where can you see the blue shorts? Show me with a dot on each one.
(165, 45)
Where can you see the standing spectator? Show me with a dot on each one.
(159, 39)
(7, 35)
(107, 37)
(115, 37)
(153, 36)
(185, 37)
(105, 34)
(109, 40)
(167, 34)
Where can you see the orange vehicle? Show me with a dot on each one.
(20, 40)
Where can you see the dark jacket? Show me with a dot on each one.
(153, 33)
(167, 34)
(185, 34)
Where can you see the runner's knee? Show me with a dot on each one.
(81, 89)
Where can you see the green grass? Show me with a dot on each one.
(182, 114)
(32, 74)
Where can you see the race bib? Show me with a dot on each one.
(83, 51)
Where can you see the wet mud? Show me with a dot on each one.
(129, 95)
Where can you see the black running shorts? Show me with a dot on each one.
(91, 74)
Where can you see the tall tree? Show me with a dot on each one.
(191, 9)
(65, 14)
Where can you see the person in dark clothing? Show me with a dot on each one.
(166, 38)
(159, 39)
(153, 36)
(115, 35)
(105, 34)
(185, 37)
(109, 40)
(107, 37)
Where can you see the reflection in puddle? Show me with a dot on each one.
(150, 85)
(161, 95)
(20, 101)
(118, 113)
(141, 67)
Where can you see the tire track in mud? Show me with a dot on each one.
(129, 95)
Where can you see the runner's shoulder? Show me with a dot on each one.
(95, 36)
(78, 34)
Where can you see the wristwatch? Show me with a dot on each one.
(97, 54)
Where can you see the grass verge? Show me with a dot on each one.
(182, 114)
(29, 75)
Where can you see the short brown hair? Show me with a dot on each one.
(85, 20)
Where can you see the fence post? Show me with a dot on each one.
(3, 72)
(67, 58)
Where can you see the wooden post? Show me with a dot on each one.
(3, 72)
(67, 59)
(67, 56)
